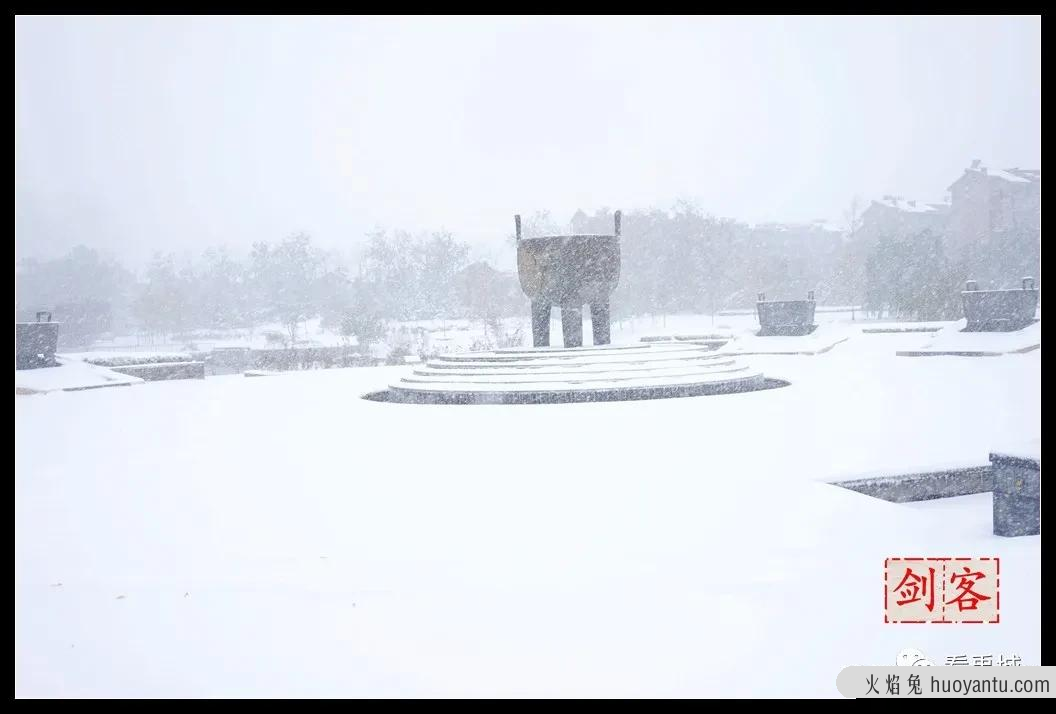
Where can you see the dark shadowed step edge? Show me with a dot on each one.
(411, 396)
(924, 486)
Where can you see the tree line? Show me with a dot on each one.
(682, 260)
(399, 277)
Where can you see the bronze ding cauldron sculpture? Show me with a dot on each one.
(570, 272)
(785, 317)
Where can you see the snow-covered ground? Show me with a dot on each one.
(285, 537)
(310, 332)
(825, 337)
(444, 336)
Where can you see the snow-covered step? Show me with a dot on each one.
(643, 371)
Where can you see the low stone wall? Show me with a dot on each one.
(896, 330)
(133, 358)
(236, 361)
(163, 371)
(1014, 480)
(307, 358)
(924, 486)
(999, 310)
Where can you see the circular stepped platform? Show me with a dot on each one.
(557, 375)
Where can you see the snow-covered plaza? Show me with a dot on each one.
(283, 536)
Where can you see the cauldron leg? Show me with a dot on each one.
(599, 322)
(572, 325)
(540, 324)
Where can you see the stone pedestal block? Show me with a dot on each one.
(1017, 495)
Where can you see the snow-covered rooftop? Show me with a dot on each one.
(1002, 174)
(912, 206)
(818, 224)
(1012, 175)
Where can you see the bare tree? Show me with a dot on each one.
(852, 217)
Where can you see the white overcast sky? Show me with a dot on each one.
(141, 134)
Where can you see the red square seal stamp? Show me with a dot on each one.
(942, 590)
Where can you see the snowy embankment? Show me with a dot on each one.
(952, 341)
(747, 342)
(71, 374)
(821, 340)
(260, 537)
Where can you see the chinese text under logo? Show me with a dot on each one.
(942, 590)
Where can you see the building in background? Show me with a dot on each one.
(995, 223)
(896, 217)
